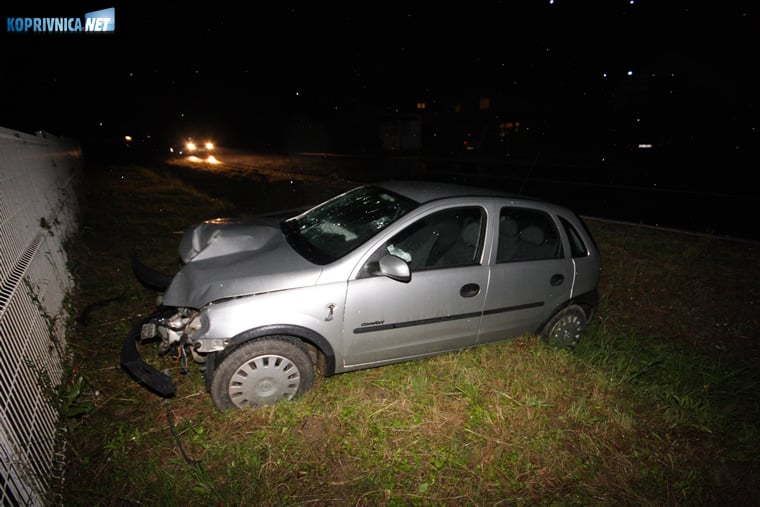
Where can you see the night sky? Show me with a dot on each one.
(613, 71)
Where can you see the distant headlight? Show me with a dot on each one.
(209, 145)
(190, 146)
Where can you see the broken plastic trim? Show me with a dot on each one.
(144, 373)
(148, 276)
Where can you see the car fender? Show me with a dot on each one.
(315, 307)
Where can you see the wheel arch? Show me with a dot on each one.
(589, 303)
(320, 350)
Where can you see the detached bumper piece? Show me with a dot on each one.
(148, 276)
(144, 373)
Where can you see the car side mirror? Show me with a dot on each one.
(395, 268)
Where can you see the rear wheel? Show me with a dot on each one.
(564, 329)
(262, 372)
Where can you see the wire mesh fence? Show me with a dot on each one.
(38, 212)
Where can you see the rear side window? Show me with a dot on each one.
(527, 234)
(577, 246)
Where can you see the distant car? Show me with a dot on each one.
(193, 148)
(380, 274)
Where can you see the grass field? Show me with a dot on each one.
(658, 405)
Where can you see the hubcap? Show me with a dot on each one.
(264, 380)
(568, 330)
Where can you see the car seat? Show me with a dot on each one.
(464, 249)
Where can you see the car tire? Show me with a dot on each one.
(262, 372)
(564, 329)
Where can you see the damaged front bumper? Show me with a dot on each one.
(148, 276)
(173, 328)
(158, 382)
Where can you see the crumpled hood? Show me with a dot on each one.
(227, 259)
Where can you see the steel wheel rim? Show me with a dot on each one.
(264, 380)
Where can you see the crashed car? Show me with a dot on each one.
(380, 274)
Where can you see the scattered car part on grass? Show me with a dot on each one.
(379, 274)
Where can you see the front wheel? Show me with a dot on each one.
(564, 329)
(262, 372)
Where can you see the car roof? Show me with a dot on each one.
(426, 191)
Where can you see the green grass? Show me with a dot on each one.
(658, 405)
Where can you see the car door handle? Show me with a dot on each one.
(557, 279)
(469, 290)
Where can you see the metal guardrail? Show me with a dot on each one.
(38, 212)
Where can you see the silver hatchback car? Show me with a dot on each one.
(380, 274)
